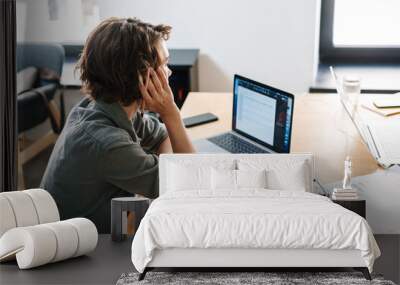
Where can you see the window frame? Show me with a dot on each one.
(328, 53)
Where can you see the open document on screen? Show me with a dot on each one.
(256, 114)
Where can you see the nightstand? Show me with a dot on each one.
(119, 208)
(357, 206)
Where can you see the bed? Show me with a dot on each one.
(247, 211)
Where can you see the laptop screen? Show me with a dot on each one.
(262, 113)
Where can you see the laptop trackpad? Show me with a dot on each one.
(205, 146)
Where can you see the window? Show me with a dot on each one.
(360, 31)
(366, 23)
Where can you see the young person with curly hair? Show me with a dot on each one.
(108, 148)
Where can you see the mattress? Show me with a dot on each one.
(250, 219)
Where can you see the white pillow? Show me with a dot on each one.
(294, 180)
(282, 174)
(26, 79)
(223, 179)
(193, 174)
(188, 177)
(251, 178)
(226, 179)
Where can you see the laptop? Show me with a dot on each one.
(381, 137)
(261, 121)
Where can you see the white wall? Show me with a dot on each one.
(71, 25)
(268, 40)
(21, 14)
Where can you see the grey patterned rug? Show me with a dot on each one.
(243, 278)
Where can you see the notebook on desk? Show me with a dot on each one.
(261, 121)
(389, 102)
(386, 112)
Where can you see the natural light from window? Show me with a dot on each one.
(366, 23)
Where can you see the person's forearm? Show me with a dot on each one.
(177, 134)
(158, 97)
(165, 147)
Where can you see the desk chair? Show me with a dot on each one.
(37, 104)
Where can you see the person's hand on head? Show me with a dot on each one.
(157, 94)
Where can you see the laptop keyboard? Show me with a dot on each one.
(234, 144)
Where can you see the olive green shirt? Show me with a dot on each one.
(101, 154)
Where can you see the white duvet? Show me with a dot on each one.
(252, 218)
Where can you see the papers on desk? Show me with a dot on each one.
(386, 137)
(369, 105)
(384, 105)
(389, 102)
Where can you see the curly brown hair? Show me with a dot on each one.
(115, 54)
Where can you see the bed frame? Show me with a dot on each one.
(242, 259)
(256, 259)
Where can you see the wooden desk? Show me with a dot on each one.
(320, 125)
